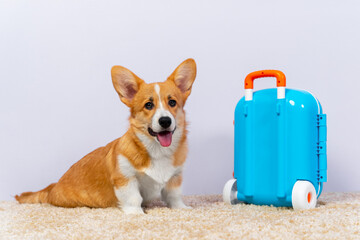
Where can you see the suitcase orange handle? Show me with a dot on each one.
(280, 78)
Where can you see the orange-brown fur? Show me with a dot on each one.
(91, 181)
(174, 182)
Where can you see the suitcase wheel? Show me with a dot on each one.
(303, 195)
(230, 192)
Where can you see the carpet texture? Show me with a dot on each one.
(337, 216)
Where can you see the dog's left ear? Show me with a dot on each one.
(184, 76)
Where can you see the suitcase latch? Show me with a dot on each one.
(321, 148)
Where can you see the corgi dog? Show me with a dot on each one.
(146, 163)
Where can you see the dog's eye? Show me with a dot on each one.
(149, 105)
(172, 103)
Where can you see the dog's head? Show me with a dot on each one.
(156, 108)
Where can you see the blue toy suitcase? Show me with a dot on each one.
(280, 146)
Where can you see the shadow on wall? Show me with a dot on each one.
(209, 164)
(338, 178)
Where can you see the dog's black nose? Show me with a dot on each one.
(165, 122)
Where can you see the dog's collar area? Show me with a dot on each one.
(154, 134)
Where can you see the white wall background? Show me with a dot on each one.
(57, 102)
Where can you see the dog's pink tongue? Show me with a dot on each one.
(165, 138)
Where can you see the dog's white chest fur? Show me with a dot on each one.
(161, 168)
(155, 178)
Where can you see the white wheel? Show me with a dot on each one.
(303, 195)
(230, 192)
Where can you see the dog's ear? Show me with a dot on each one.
(184, 76)
(126, 83)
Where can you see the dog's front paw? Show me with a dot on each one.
(184, 207)
(132, 210)
(179, 205)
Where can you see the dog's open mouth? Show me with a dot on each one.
(164, 137)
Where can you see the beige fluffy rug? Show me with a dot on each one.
(337, 216)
